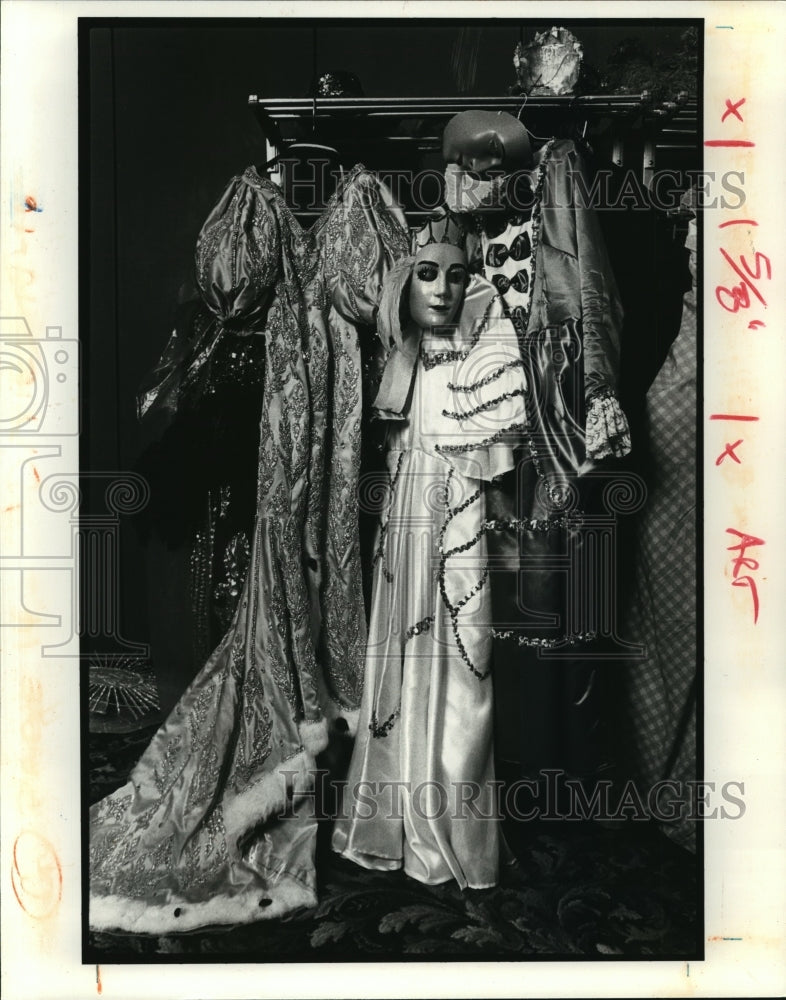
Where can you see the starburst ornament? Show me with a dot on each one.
(118, 687)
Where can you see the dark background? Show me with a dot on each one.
(164, 125)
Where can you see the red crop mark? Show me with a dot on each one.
(729, 452)
(732, 109)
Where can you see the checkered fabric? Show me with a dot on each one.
(660, 695)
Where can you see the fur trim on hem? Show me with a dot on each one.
(314, 735)
(138, 916)
(269, 795)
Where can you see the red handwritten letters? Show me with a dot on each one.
(745, 562)
(749, 271)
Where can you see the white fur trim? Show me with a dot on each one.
(314, 735)
(136, 916)
(268, 795)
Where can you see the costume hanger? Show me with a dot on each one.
(303, 147)
(530, 133)
(306, 146)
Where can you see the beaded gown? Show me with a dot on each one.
(423, 762)
(196, 837)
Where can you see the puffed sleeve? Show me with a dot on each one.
(366, 234)
(238, 254)
(212, 350)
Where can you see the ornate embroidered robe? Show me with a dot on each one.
(195, 837)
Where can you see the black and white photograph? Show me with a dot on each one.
(393, 327)
(389, 580)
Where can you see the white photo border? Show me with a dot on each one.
(745, 665)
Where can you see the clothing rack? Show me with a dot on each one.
(404, 133)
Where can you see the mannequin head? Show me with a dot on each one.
(483, 150)
(436, 288)
(486, 143)
(421, 296)
(422, 292)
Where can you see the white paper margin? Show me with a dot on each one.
(745, 666)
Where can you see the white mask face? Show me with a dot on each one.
(439, 279)
(467, 193)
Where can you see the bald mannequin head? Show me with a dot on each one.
(486, 141)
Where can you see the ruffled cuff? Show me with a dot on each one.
(607, 432)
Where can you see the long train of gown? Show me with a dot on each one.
(195, 836)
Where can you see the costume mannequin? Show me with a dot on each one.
(425, 731)
(485, 141)
(525, 228)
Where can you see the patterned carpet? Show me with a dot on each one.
(579, 890)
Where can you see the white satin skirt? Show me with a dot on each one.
(420, 793)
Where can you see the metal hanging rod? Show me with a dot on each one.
(326, 106)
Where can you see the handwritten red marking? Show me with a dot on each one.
(745, 562)
(729, 452)
(728, 142)
(99, 987)
(29, 230)
(739, 294)
(731, 109)
(756, 275)
(738, 222)
(755, 324)
(35, 473)
(30, 204)
(36, 875)
(748, 581)
(730, 416)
